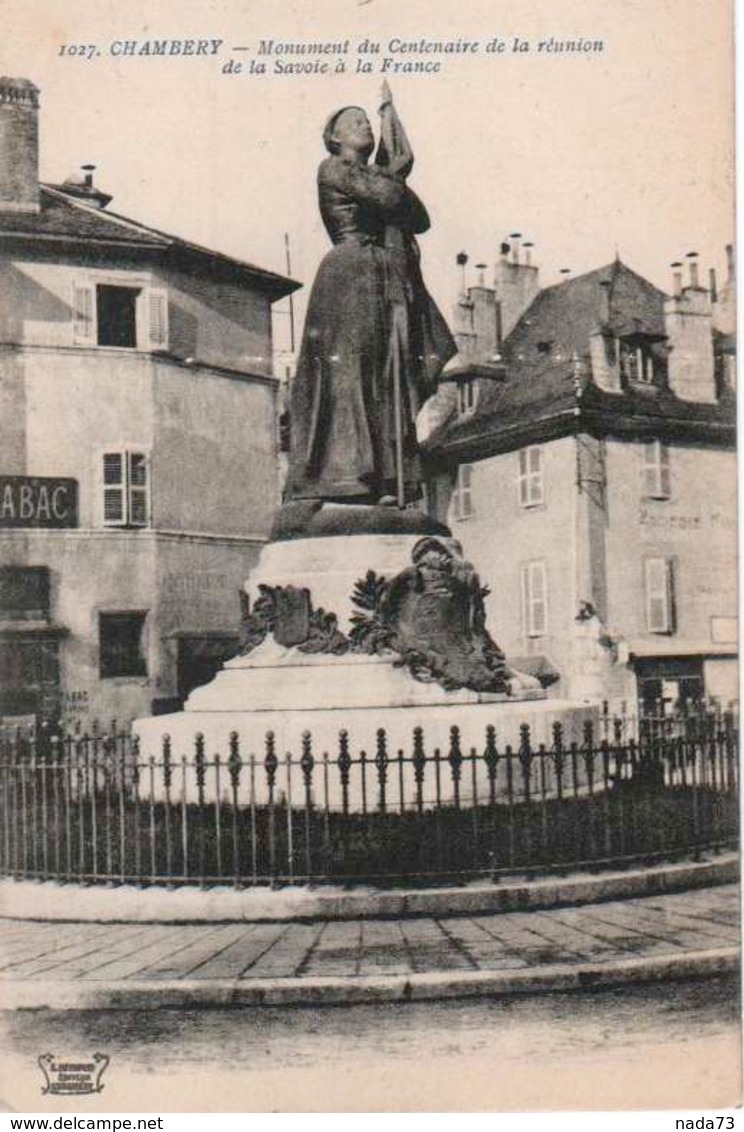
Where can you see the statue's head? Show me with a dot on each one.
(349, 128)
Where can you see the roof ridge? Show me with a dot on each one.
(105, 215)
(167, 239)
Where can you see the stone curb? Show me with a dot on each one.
(353, 990)
(47, 901)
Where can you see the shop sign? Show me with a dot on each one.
(38, 501)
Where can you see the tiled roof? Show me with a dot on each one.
(65, 219)
(562, 317)
(546, 388)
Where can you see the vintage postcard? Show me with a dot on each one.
(369, 734)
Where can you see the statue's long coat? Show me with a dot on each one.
(367, 305)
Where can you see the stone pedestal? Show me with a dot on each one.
(330, 567)
(294, 693)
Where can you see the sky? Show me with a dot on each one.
(628, 151)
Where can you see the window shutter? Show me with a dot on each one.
(156, 299)
(84, 330)
(137, 473)
(464, 491)
(649, 470)
(538, 605)
(535, 464)
(530, 477)
(534, 599)
(523, 481)
(659, 595)
(665, 480)
(114, 489)
(656, 476)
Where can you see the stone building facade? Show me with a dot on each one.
(138, 473)
(583, 451)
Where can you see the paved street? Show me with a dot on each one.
(669, 1045)
(655, 926)
(188, 1013)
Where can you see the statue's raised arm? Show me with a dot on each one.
(394, 149)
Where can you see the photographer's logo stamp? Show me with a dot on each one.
(72, 1078)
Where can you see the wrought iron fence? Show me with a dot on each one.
(88, 808)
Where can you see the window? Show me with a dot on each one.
(464, 492)
(659, 595)
(467, 396)
(637, 363)
(120, 637)
(530, 477)
(534, 599)
(119, 314)
(126, 489)
(656, 478)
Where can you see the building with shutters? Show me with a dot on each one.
(583, 451)
(138, 466)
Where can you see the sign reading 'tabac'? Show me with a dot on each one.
(38, 501)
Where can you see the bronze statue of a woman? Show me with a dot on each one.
(374, 342)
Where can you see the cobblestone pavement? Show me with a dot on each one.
(648, 927)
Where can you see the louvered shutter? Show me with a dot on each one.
(84, 328)
(659, 595)
(138, 489)
(157, 319)
(114, 489)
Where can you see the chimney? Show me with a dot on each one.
(603, 347)
(689, 327)
(676, 278)
(693, 258)
(461, 259)
(83, 188)
(19, 145)
(604, 302)
(516, 284)
(605, 360)
(723, 298)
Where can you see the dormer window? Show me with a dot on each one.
(467, 397)
(639, 364)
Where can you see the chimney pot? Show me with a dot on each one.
(713, 287)
(528, 246)
(730, 262)
(461, 260)
(515, 237)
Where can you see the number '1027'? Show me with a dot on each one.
(78, 50)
